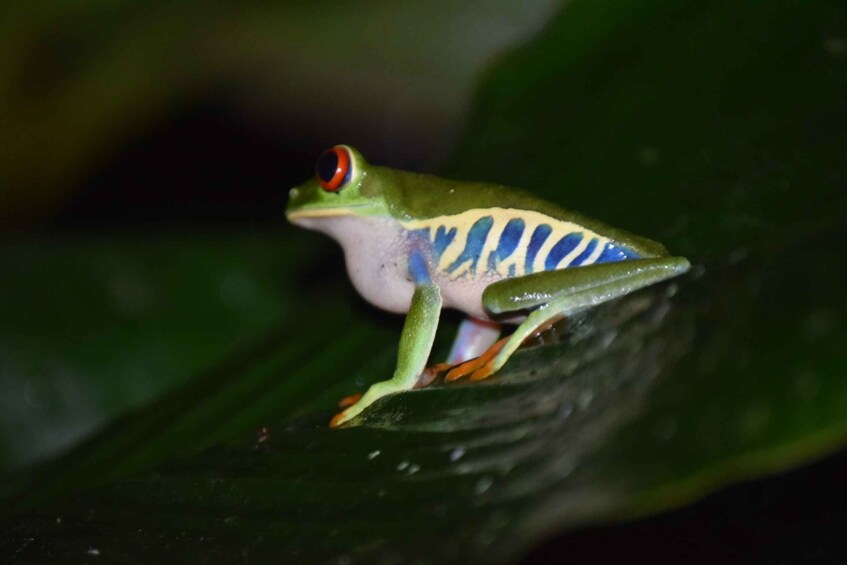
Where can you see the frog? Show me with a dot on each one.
(417, 244)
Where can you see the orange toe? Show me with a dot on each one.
(474, 366)
(349, 400)
(463, 369)
(483, 372)
(336, 420)
(430, 373)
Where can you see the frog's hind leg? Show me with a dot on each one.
(556, 294)
(475, 338)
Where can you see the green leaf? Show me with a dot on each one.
(717, 129)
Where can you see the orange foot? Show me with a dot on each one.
(479, 368)
(345, 402)
(349, 400)
(430, 373)
(335, 422)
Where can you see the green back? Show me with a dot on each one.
(413, 196)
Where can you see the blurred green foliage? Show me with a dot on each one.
(717, 129)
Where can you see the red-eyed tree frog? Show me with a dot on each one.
(416, 243)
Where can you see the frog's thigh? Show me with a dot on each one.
(562, 292)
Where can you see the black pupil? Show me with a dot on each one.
(327, 165)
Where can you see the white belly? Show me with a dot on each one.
(376, 251)
(376, 254)
(465, 294)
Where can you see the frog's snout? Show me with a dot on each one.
(293, 193)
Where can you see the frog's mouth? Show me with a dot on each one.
(310, 204)
(305, 213)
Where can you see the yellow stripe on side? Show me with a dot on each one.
(501, 216)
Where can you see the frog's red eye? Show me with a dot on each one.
(333, 168)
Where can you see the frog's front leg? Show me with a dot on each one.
(415, 346)
(555, 294)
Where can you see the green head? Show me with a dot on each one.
(343, 184)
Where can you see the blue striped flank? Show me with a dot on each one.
(614, 253)
(443, 239)
(474, 244)
(539, 236)
(421, 234)
(509, 240)
(561, 249)
(586, 253)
